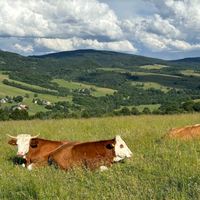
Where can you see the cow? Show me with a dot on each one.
(92, 155)
(183, 133)
(33, 149)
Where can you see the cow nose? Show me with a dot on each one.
(20, 153)
(131, 155)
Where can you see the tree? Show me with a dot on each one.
(85, 114)
(172, 109)
(125, 111)
(196, 106)
(3, 115)
(146, 111)
(18, 99)
(188, 106)
(19, 114)
(40, 102)
(73, 115)
(57, 115)
(38, 115)
(135, 111)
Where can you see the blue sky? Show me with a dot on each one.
(166, 29)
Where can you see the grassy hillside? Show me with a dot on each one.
(189, 79)
(13, 92)
(74, 85)
(157, 170)
(34, 108)
(105, 72)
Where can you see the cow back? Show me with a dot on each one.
(87, 154)
(61, 155)
(184, 133)
(39, 150)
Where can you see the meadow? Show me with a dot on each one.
(75, 85)
(34, 108)
(158, 169)
(189, 79)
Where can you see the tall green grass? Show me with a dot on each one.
(158, 169)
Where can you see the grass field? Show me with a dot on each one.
(158, 169)
(162, 81)
(34, 108)
(189, 73)
(74, 85)
(151, 107)
(149, 80)
(156, 66)
(141, 107)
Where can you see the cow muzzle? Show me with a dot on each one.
(20, 153)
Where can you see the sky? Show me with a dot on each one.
(166, 29)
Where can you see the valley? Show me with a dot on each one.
(97, 82)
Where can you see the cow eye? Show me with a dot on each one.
(121, 146)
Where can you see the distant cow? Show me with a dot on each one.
(184, 133)
(34, 149)
(92, 155)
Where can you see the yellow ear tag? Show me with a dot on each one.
(112, 145)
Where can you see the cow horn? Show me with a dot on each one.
(112, 145)
(35, 136)
(11, 136)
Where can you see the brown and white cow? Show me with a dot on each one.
(184, 133)
(34, 149)
(92, 155)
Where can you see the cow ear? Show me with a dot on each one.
(33, 143)
(111, 145)
(12, 142)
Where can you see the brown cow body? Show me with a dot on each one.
(38, 151)
(184, 133)
(92, 155)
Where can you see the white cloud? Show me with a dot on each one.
(46, 25)
(175, 26)
(78, 43)
(19, 48)
(62, 18)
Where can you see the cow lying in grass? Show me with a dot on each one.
(184, 133)
(92, 155)
(34, 149)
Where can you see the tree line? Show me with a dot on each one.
(64, 110)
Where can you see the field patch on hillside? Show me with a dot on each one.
(14, 92)
(162, 81)
(155, 66)
(74, 85)
(166, 81)
(190, 73)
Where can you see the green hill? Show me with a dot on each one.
(104, 58)
(100, 82)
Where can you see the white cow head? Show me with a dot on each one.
(121, 149)
(22, 141)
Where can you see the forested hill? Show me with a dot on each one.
(137, 80)
(90, 59)
(120, 60)
(86, 66)
(104, 58)
(188, 60)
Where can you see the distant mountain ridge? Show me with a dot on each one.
(89, 58)
(189, 60)
(104, 58)
(112, 58)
